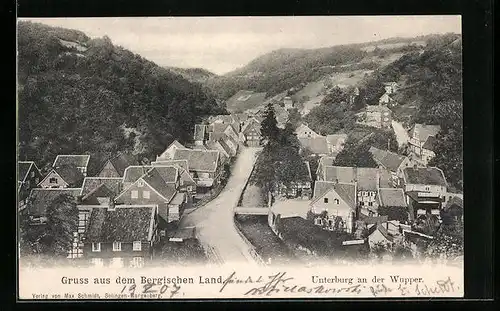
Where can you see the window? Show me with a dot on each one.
(318, 221)
(140, 183)
(427, 188)
(134, 194)
(53, 180)
(32, 174)
(137, 262)
(116, 263)
(145, 194)
(117, 246)
(136, 246)
(337, 201)
(361, 203)
(98, 262)
(162, 233)
(325, 200)
(96, 247)
(370, 203)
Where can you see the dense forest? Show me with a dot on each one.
(83, 95)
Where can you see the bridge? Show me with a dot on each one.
(240, 210)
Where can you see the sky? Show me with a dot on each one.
(222, 44)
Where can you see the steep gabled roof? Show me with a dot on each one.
(424, 176)
(304, 128)
(70, 174)
(181, 163)
(343, 174)
(423, 131)
(24, 168)
(92, 198)
(132, 173)
(382, 230)
(156, 181)
(199, 160)
(76, 160)
(387, 159)
(40, 198)
(122, 161)
(317, 145)
(430, 143)
(252, 124)
(112, 183)
(347, 191)
(367, 178)
(123, 224)
(392, 197)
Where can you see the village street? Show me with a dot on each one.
(214, 222)
(401, 133)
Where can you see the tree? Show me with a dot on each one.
(355, 154)
(62, 222)
(269, 126)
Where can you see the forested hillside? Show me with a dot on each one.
(82, 95)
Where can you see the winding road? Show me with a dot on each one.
(214, 221)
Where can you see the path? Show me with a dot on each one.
(401, 133)
(215, 223)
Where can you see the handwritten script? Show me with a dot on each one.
(283, 283)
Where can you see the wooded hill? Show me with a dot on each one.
(83, 95)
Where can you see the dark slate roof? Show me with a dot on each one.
(132, 173)
(91, 183)
(382, 230)
(199, 132)
(317, 145)
(124, 224)
(250, 125)
(377, 108)
(424, 176)
(387, 159)
(81, 160)
(199, 160)
(423, 131)
(225, 146)
(169, 174)
(40, 198)
(367, 178)
(183, 233)
(180, 163)
(122, 161)
(430, 143)
(70, 174)
(92, 198)
(155, 179)
(392, 197)
(345, 190)
(23, 168)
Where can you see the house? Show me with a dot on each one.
(63, 177)
(218, 131)
(229, 119)
(317, 146)
(300, 188)
(425, 179)
(81, 162)
(111, 185)
(378, 235)
(336, 142)
(115, 166)
(288, 102)
(216, 145)
(386, 100)
(391, 87)
(251, 133)
(453, 211)
(204, 167)
(244, 100)
(287, 209)
(367, 185)
(334, 205)
(28, 177)
(187, 183)
(40, 198)
(392, 203)
(323, 162)
(200, 135)
(391, 162)
(158, 186)
(168, 154)
(121, 236)
(183, 235)
(419, 134)
(376, 116)
(304, 131)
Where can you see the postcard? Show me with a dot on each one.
(240, 157)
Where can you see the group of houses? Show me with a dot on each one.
(402, 198)
(380, 116)
(127, 207)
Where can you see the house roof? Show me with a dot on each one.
(454, 201)
(423, 131)
(23, 169)
(122, 161)
(304, 128)
(382, 230)
(317, 145)
(132, 173)
(92, 198)
(199, 132)
(199, 147)
(40, 198)
(124, 224)
(184, 233)
(430, 143)
(344, 174)
(181, 163)
(199, 160)
(387, 159)
(377, 108)
(250, 125)
(367, 178)
(244, 99)
(347, 191)
(335, 139)
(373, 219)
(291, 208)
(76, 160)
(112, 183)
(69, 174)
(393, 197)
(157, 181)
(183, 170)
(424, 176)
(225, 146)
(178, 199)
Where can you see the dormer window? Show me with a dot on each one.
(117, 246)
(336, 201)
(53, 180)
